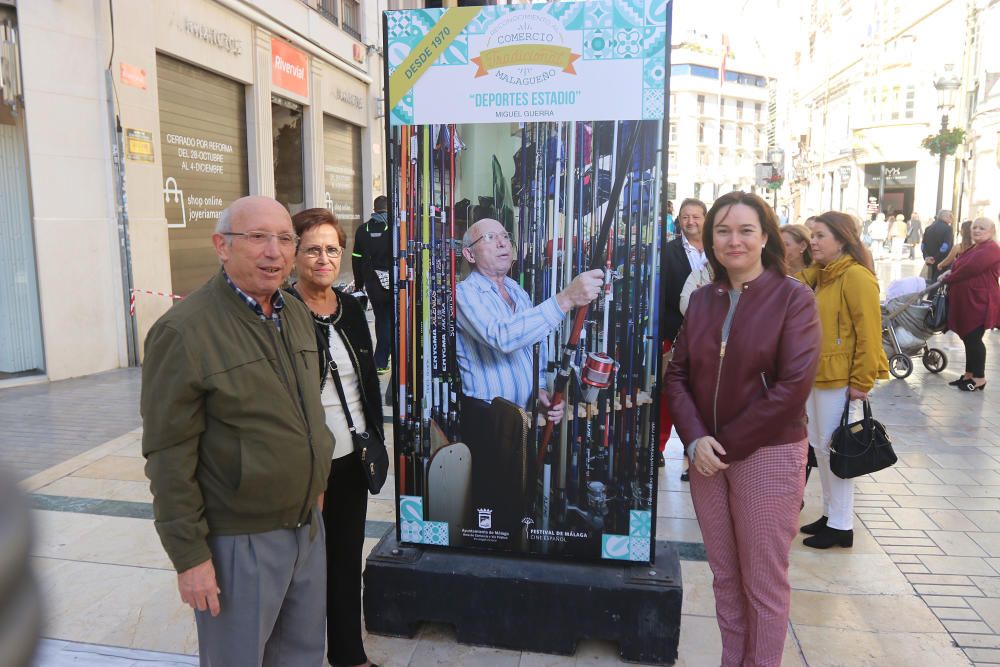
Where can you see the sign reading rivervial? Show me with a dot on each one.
(527, 63)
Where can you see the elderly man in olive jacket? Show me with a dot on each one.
(237, 450)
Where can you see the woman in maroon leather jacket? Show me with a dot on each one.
(974, 300)
(743, 366)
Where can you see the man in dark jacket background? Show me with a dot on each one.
(938, 239)
(372, 265)
(682, 255)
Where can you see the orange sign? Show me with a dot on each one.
(133, 76)
(289, 68)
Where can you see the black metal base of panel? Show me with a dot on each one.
(527, 604)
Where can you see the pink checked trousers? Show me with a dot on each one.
(749, 515)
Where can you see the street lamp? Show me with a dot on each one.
(946, 84)
(776, 157)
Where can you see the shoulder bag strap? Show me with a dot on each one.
(343, 398)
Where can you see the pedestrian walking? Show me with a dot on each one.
(879, 231)
(851, 359)
(371, 262)
(937, 243)
(742, 369)
(684, 254)
(974, 300)
(914, 232)
(897, 236)
(237, 450)
(343, 338)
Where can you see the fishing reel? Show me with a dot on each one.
(596, 375)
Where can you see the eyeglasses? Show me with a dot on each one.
(490, 237)
(332, 251)
(261, 238)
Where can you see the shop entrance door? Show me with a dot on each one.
(20, 322)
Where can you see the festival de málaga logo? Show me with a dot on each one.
(526, 48)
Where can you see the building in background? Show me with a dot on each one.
(719, 116)
(979, 169)
(862, 97)
(125, 129)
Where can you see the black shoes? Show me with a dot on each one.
(830, 537)
(815, 527)
(970, 385)
(685, 477)
(660, 461)
(960, 380)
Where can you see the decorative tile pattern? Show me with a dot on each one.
(615, 547)
(639, 523)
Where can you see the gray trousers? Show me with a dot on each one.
(273, 601)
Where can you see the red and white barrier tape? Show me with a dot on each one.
(131, 300)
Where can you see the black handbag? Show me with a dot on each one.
(937, 317)
(368, 445)
(861, 447)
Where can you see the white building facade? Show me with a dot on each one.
(126, 128)
(862, 98)
(718, 128)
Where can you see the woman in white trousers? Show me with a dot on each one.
(851, 360)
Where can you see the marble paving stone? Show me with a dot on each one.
(917, 460)
(919, 476)
(911, 519)
(968, 627)
(990, 586)
(674, 504)
(977, 641)
(966, 461)
(957, 565)
(388, 651)
(120, 606)
(699, 597)
(106, 489)
(115, 467)
(945, 579)
(954, 476)
(924, 502)
(910, 568)
(905, 558)
(955, 543)
(946, 490)
(847, 574)
(950, 614)
(964, 503)
(989, 610)
(701, 645)
(879, 487)
(99, 539)
(986, 520)
(982, 491)
(838, 647)
(989, 477)
(879, 533)
(945, 601)
(882, 613)
(951, 519)
(935, 589)
(892, 540)
(914, 550)
(888, 525)
(436, 645)
(984, 656)
(888, 476)
(58, 653)
(678, 530)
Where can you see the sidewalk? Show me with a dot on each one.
(921, 587)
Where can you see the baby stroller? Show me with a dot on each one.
(905, 333)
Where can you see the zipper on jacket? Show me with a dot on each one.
(718, 380)
(302, 413)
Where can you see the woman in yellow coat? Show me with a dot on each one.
(851, 360)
